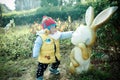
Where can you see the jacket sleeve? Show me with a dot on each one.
(65, 35)
(37, 46)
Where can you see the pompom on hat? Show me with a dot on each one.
(47, 22)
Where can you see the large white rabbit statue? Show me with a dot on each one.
(84, 38)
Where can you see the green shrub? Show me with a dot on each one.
(16, 43)
(93, 74)
(62, 12)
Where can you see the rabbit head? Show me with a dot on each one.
(87, 33)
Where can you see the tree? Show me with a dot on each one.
(117, 20)
(45, 3)
(26, 4)
(0, 16)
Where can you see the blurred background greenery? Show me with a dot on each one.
(16, 44)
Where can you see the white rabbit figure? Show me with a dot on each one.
(84, 38)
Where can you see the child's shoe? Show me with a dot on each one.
(40, 78)
(54, 71)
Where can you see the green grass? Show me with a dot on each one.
(12, 69)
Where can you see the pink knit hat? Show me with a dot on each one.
(47, 22)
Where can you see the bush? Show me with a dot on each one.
(16, 44)
(26, 17)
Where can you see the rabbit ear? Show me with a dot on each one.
(103, 16)
(89, 16)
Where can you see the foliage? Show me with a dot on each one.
(15, 45)
(0, 11)
(49, 3)
(93, 74)
(12, 70)
(62, 12)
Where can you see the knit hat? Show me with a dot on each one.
(47, 22)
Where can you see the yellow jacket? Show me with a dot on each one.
(48, 52)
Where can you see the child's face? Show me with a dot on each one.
(53, 30)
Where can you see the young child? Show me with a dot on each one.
(46, 47)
